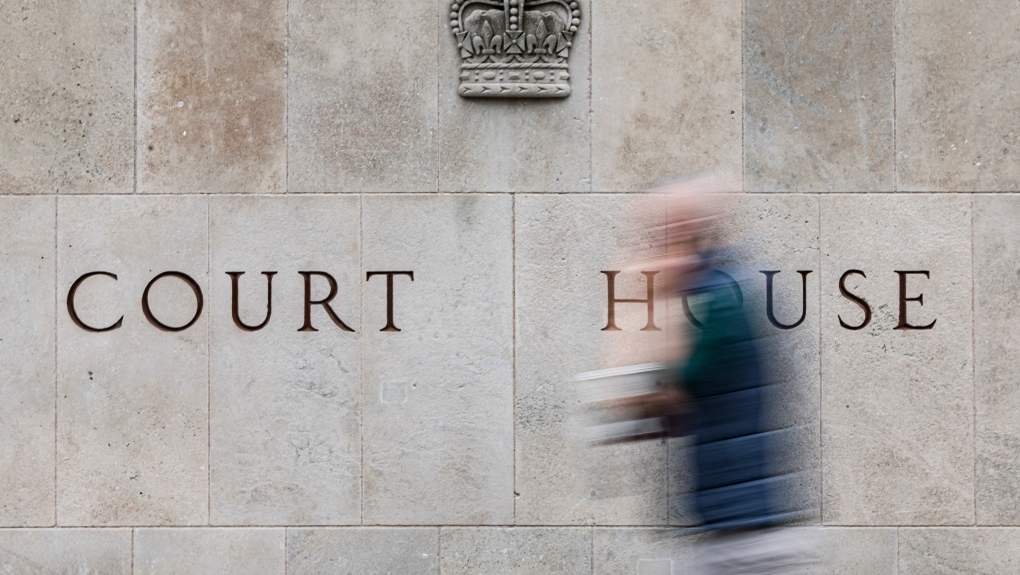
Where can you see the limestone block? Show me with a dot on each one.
(515, 551)
(212, 95)
(363, 107)
(945, 551)
(644, 551)
(26, 351)
(776, 233)
(666, 90)
(675, 552)
(438, 393)
(839, 551)
(996, 347)
(209, 551)
(957, 107)
(67, 98)
(132, 402)
(515, 145)
(897, 404)
(410, 551)
(563, 243)
(818, 95)
(65, 551)
(285, 404)
(858, 551)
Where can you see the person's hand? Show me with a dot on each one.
(664, 403)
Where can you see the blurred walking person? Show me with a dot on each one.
(717, 393)
(724, 377)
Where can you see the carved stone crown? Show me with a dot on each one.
(514, 48)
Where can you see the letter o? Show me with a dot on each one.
(728, 280)
(186, 279)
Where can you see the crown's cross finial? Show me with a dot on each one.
(514, 48)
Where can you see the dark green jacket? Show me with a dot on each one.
(724, 377)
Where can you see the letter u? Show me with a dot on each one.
(770, 310)
(236, 313)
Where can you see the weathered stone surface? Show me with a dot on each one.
(644, 551)
(563, 243)
(516, 551)
(363, 107)
(996, 347)
(65, 551)
(438, 413)
(209, 551)
(841, 551)
(459, 441)
(666, 90)
(285, 404)
(212, 95)
(27, 306)
(776, 233)
(132, 403)
(897, 405)
(942, 551)
(858, 551)
(406, 550)
(67, 102)
(957, 107)
(506, 145)
(818, 95)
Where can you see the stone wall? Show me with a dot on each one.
(206, 137)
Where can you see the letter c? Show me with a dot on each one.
(74, 314)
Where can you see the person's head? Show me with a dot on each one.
(695, 215)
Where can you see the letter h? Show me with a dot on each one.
(613, 300)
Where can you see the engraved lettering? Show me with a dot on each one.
(770, 310)
(389, 295)
(904, 299)
(854, 298)
(198, 300)
(74, 314)
(235, 312)
(649, 301)
(726, 278)
(323, 302)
